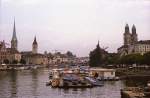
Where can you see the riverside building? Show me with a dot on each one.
(10, 54)
(131, 44)
(33, 57)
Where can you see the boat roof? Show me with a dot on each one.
(101, 69)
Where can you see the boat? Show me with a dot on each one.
(54, 72)
(50, 75)
(73, 83)
(94, 82)
(76, 86)
(108, 78)
(49, 83)
(61, 78)
(69, 81)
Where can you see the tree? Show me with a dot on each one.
(113, 58)
(131, 59)
(14, 62)
(6, 61)
(96, 57)
(69, 54)
(137, 58)
(22, 61)
(50, 55)
(146, 58)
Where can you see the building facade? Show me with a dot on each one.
(142, 47)
(33, 57)
(131, 44)
(10, 54)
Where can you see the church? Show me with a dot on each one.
(10, 54)
(33, 57)
(131, 44)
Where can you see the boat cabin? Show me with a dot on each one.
(102, 73)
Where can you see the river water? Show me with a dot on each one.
(32, 84)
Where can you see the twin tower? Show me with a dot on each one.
(130, 38)
(14, 42)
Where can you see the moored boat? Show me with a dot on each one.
(94, 82)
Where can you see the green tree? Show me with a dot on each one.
(14, 62)
(6, 61)
(96, 57)
(131, 59)
(69, 54)
(22, 61)
(146, 58)
(113, 58)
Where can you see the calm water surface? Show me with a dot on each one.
(31, 84)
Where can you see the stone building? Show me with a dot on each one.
(36, 59)
(33, 57)
(131, 44)
(61, 58)
(3, 53)
(142, 46)
(10, 54)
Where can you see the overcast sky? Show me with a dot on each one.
(74, 25)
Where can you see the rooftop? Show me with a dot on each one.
(101, 69)
(143, 42)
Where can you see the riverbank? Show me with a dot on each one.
(124, 73)
(5, 67)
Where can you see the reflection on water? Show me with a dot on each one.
(31, 84)
(13, 84)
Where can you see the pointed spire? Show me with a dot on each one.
(14, 37)
(14, 42)
(98, 44)
(34, 42)
(35, 46)
(3, 44)
(133, 26)
(127, 25)
(127, 29)
(133, 29)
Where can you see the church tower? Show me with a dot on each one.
(127, 36)
(98, 46)
(134, 35)
(14, 41)
(34, 46)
